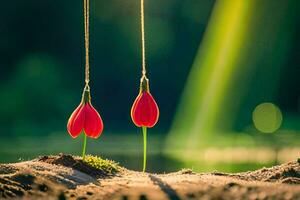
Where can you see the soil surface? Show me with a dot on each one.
(67, 177)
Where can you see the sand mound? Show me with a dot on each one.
(66, 176)
(285, 173)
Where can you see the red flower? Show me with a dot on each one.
(144, 111)
(85, 118)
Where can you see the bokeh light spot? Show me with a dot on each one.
(267, 117)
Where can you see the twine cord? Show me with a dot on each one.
(86, 39)
(143, 39)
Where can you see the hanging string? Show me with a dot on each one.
(143, 39)
(86, 39)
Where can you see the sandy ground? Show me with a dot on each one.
(66, 177)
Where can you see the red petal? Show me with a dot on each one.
(133, 111)
(76, 121)
(93, 125)
(144, 111)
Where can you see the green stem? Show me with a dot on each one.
(84, 146)
(144, 129)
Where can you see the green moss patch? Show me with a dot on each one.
(91, 165)
(105, 165)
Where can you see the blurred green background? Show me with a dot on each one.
(210, 64)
